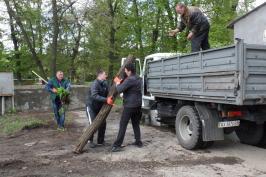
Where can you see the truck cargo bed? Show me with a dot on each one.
(231, 75)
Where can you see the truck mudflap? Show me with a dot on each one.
(210, 120)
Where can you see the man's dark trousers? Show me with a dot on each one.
(200, 41)
(91, 114)
(135, 115)
(60, 118)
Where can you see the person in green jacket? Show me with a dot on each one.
(52, 87)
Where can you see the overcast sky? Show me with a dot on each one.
(259, 2)
(80, 3)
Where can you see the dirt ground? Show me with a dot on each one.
(46, 152)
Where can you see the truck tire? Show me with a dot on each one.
(263, 139)
(250, 132)
(188, 128)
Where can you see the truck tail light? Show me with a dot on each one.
(231, 114)
(234, 114)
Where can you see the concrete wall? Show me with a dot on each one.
(36, 98)
(252, 28)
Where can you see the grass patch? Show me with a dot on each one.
(13, 123)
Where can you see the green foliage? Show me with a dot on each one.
(139, 27)
(6, 63)
(222, 12)
(62, 93)
(64, 98)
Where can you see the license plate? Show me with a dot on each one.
(234, 123)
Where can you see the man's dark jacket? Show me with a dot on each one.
(195, 21)
(131, 88)
(97, 95)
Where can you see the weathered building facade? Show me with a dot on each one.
(251, 27)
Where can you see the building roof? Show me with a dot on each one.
(231, 24)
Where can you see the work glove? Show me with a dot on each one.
(110, 101)
(117, 80)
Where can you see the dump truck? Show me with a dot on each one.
(208, 94)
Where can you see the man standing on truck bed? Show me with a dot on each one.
(198, 25)
(132, 99)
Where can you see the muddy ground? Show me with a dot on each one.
(45, 152)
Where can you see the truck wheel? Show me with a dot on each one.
(249, 132)
(263, 139)
(188, 128)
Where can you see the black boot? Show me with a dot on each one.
(138, 144)
(116, 148)
(92, 144)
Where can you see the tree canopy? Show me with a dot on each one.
(81, 36)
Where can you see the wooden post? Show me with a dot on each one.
(104, 112)
(13, 103)
(3, 105)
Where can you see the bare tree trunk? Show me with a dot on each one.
(77, 39)
(169, 13)
(138, 28)
(26, 37)
(16, 48)
(111, 52)
(40, 32)
(55, 37)
(155, 31)
(234, 5)
(111, 55)
(171, 20)
(75, 53)
(246, 4)
(102, 115)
